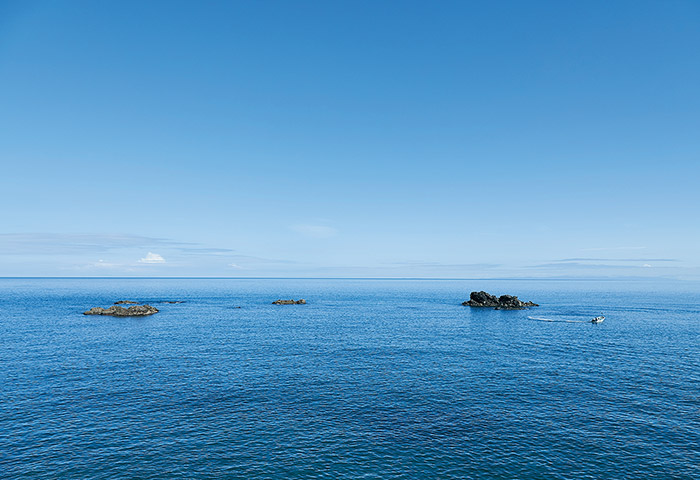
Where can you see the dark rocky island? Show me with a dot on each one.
(504, 302)
(115, 311)
(290, 302)
(131, 302)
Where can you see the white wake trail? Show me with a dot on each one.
(541, 319)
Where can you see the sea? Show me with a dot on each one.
(371, 379)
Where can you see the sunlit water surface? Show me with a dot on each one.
(371, 379)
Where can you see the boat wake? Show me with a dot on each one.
(541, 319)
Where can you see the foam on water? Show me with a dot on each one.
(540, 319)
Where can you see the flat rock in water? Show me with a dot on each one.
(504, 302)
(115, 311)
(126, 302)
(290, 302)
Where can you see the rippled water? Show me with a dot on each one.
(371, 379)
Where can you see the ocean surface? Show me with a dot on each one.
(372, 379)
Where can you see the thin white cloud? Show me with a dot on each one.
(646, 265)
(237, 267)
(442, 265)
(601, 249)
(578, 266)
(249, 259)
(205, 251)
(315, 231)
(75, 244)
(617, 260)
(152, 258)
(101, 264)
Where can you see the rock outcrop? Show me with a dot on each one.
(290, 302)
(115, 311)
(131, 302)
(504, 302)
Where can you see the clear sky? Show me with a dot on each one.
(359, 138)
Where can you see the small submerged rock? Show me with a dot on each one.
(504, 302)
(115, 311)
(125, 302)
(290, 302)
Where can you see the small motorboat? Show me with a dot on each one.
(598, 319)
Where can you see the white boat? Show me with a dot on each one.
(598, 319)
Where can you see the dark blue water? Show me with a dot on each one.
(371, 379)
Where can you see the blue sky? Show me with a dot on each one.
(371, 139)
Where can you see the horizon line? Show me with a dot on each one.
(347, 278)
